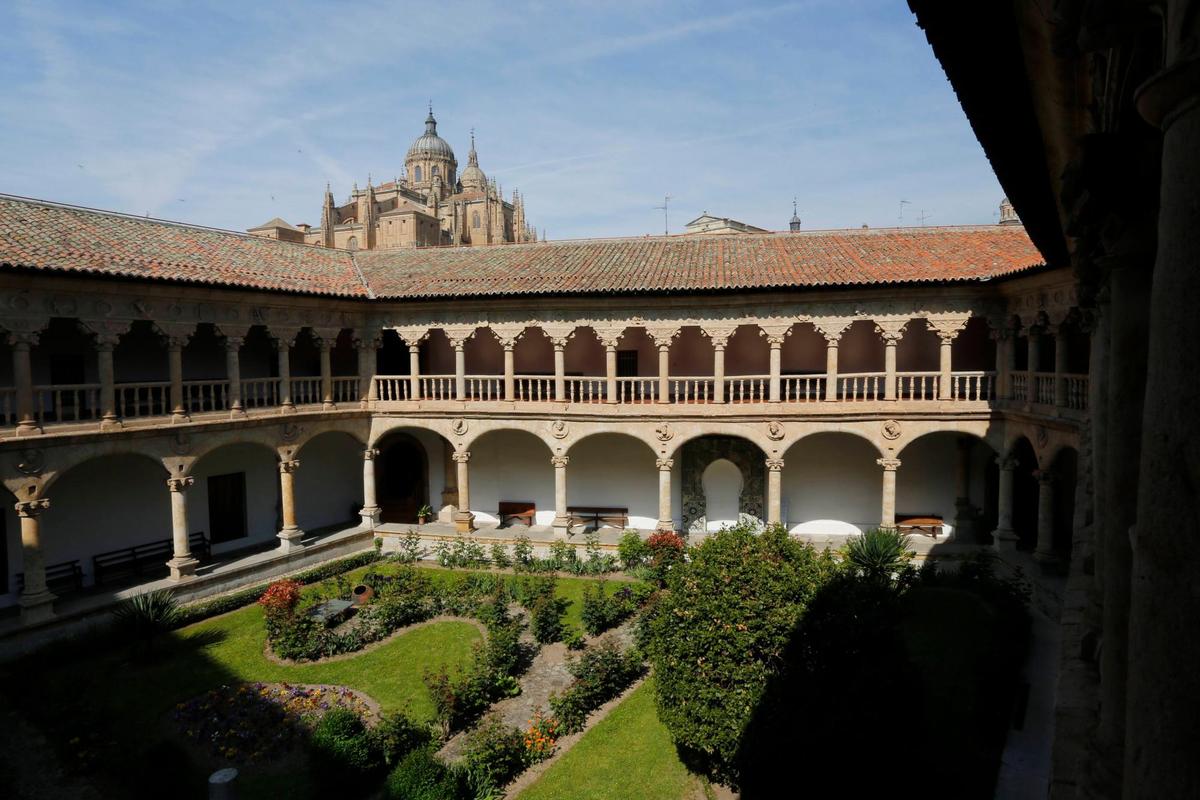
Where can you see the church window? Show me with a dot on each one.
(352, 243)
(417, 173)
(435, 171)
(475, 220)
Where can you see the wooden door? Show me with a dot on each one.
(227, 507)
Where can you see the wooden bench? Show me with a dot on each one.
(518, 510)
(63, 578)
(928, 524)
(145, 559)
(599, 515)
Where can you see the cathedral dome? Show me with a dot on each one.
(472, 178)
(429, 144)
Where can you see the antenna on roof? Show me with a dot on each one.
(903, 203)
(924, 216)
(663, 208)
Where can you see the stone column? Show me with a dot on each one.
(182, 564)
(233, 373)
(776, 345)
(37, 602)
(610, 372)
(831, 367)
(890, 465)
(1010, 363)
(510, 371)
(562, 520)
(414, 371)
(370, 510)
(945, 354)
(964, 521)
(105, 344)
(889, 366)
(1060, 363)
(1005, 538)
(560, 370)
(284, 349)
(774, 491)
(664, 378)
(1000, 336)
(718, 371)
(1033, 356)
(367, 347)
(290, 536)
(22, 344)
(449, 484)
(324, 347)
(1045, 517)
(175, 345)
(460, 369)
(1163, 724)
(464, 520)
(665, 521)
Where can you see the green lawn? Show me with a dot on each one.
(627, 754)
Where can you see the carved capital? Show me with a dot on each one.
(31, 508)
(664, 464)
(832, 328)
(891, 330)
(458, 336)
(108, 332)
(888, 464)
(1007, 463)
(412, 336)
(367, 340)
(180, 484)
(947, 328)
(560, 461)
(461, 456)
(1044, 476)
(775, 465)
(719, 335)
(289, 467)
(663, 336)
(283, 338)
(370, 454)
(234, 344)
(23, 340)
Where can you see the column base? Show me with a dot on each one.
(182, 568)
(287, 408)
(178, 418)
(37, 607)
(28, 429)
(464, 521)
(1048, 557)
(328, 406)
(111, 424)
(370, 517)
(561, 526)
(665, 526)
(289, 540)
(1004, 540)
(237, 412)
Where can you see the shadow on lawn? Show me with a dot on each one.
(882, 691)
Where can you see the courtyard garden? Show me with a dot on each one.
(491, 674)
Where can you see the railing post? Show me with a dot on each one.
(22, 343)
(888, 515)
(665, 520)
(182, 564)
(37, 602)
(562, 520)
(233, 373)
(774, 491)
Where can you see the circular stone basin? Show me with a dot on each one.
(252, 723)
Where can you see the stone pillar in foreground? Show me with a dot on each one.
(1005, 538)
(105, 344)
(37, 602)
(562, 520)
(665, 520)
(945, 365)
(182, 564)
(718, 370)
(464, 520)
(370, 510)
(414, 371)
(290, 536)
(1045, 517)
(888, 508)
(460, 368)
(774, 491)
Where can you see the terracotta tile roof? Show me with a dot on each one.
(704, 263)
(41, 235)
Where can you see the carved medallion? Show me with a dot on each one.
(31, 461)
(891, 430)
(1042, 436)
(291, 431)
(663, 432)
(558, 429)
(775, 430)
(459, 427)
(181, 444)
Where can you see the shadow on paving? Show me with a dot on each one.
(881, 691)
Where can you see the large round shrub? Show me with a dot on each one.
(719, 632)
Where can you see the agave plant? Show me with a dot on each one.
(146, 616)
(878, 555)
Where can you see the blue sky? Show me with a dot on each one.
(228, 114)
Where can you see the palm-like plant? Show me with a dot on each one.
(878, 555)
(144, 617)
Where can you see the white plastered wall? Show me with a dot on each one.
(262, 492)
(514, 467)
(831, 485)
(926, 482)
(329, 487)
(610, 469)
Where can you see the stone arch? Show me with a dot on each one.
(831, 484)
(404, 474)
(270, 437)
(351, 428)
(1025, 492)
(511, 464)
(64, 459)
(953, 475)
(722, 482)
(625, 434)
(592, 481)
(236, 511)
(328, 485)
(483, 354)
(697, 453)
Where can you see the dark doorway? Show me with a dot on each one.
(627, 363)
(227, 507)
(402, 479)
(1065, 469)
(1025, 495)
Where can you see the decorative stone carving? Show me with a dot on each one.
(461, 456)
(774, 464)
(459, 427)
(663, 431)
(697, 454)
(664, 464)
(559, 429)
(370, 454)
(31, 508)
(31, 461)
(180, 484)
(560, 461)
(888, 464)
(181, 443)
(291, 431)
(775, 430)
(1041, 436)
(890, 430)
(289, 466)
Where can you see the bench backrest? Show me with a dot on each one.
(515, 507)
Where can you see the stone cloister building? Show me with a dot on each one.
(162, 379)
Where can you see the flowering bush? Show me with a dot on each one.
(256, 722)
(494, 754)
(280, 599)
(601, 673)
(541, 737)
